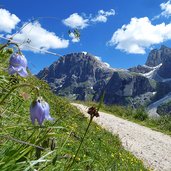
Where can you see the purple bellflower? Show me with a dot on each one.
(39, 110)
(18, 64)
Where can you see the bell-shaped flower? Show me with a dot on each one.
(18, 64)
(47, 115)
(39, 110)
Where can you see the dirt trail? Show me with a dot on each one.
(153, 148)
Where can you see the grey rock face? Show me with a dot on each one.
(158, 56)
(124, 85)
(164, 109)
(165, 70)
(140, 69)
(154, 58)
(78, 76)
(83, 77)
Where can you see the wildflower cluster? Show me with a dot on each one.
(39, 109)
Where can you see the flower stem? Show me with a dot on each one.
(10, 43)
(18, 86)
(4, 46)
(82, 140)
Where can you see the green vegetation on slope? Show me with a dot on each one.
(164, 108)
(52, 146)
(139, 115)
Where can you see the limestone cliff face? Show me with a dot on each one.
(77, 75)
(140, 69)
(161, 56)
(159, 60)
(156, 56)
(82, 76)
(125, 85)
(165, 70)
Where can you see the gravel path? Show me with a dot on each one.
(153, 148)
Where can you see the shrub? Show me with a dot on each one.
(140, 114)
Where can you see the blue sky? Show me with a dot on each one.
(120, 32)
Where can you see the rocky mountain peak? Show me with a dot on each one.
(82, 76)
(77, 74)
(79, 65)
(156, 56)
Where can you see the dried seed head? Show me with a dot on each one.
(93, 112)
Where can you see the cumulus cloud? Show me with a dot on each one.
(74, 39)
(76, 21)
(38, 37)
(8, 21)
(166, 7)
(166, 10)
(140, 34)
(102, 16)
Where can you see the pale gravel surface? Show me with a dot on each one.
(153, 148)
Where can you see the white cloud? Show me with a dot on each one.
(39, 38)
(8, 21)
(74, 39)
(76, 21)
(140, 34)
(166, 7)
(100, 18)
(103, 15)
(166, 10)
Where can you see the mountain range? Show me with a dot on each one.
(82, 76)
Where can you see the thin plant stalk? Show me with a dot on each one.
(93, 112)
(82, 140)
(10, 43)
(18, 86)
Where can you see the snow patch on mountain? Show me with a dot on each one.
(152, 73)
(85, 53)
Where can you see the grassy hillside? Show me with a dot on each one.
(52, 146)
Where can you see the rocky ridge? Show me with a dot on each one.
(82, 76)
(79, 76)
